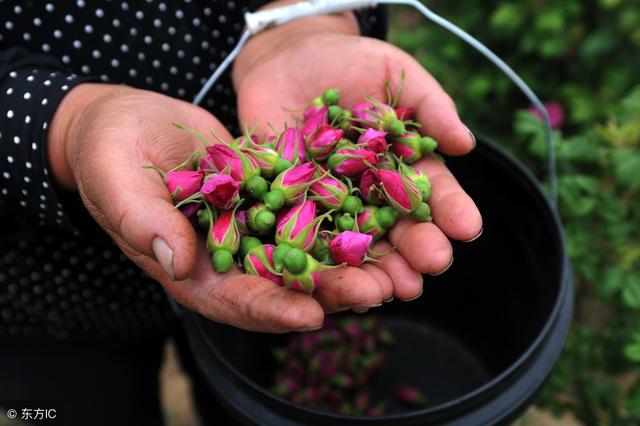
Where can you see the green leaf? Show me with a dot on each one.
(626, 167)
(631, 292)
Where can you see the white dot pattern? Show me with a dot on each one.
(53, 281)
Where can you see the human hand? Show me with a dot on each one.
(283, 68)
(100, 139)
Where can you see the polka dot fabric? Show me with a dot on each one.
(53, 282)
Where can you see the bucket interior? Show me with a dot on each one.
(473, 322)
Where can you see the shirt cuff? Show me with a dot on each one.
(29, 97)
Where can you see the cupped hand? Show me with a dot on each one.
(281, 70)
(101, 138)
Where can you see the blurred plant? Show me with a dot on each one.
(599, 201)
(584, 56)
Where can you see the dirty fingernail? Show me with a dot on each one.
(413, 298)
(444, 270)
(164, 256)
(476, 237)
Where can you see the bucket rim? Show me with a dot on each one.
(564, 278)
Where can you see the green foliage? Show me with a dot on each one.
(583, 55)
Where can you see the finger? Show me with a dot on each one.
(407, 282)
(423, 246)
(343, 288)
(383, 279)
(435, 110)
(452, 209)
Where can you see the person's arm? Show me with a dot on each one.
(32, 87)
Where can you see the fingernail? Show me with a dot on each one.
(359, 310)
(473, 137)
(313, 328)
(410, 300)
(444, 270)
(474, 238)
(388, 300)
(164, 255)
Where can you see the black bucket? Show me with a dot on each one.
(479, 342)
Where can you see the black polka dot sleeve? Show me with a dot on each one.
(31, 87)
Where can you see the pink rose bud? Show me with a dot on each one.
(183, 184)
(206, 164)
(259, 261)
(410, 396)
(221, 190)
(400, 192)
(305, 281)
(369, 188)
(365, 114)
(405, 113)
(260, 219)
(420, 179)
(243, 141)
(299, 225)
(314, 118)
(322, 143)
(223, 233)
(385, 112)
(373, 139)
(368, 223)
(349, 247)
(240, 166)
(410, 146)
(407, 147)
(351, 161)
(329, 192)
(190, 211)
(241, 221)
(264, 156)
(290, 145)
(294, 181)
(556, 113)
(388, 162)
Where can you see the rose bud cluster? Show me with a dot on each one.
(335, 369)
(317, 195)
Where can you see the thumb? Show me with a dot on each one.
(134, 205)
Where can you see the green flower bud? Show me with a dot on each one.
(422, 213)
(346, 222)
(260, 219)
(281, 165)
(295, 261)
(278, 255)
(222, 260)
(395, 127)
(352, 205)
(331, 97)
(274, 200)
(386, 216)
(257, 186)
(265, 220)
(247, 243)
(427, 144)
(335, 112)
(204, 219)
